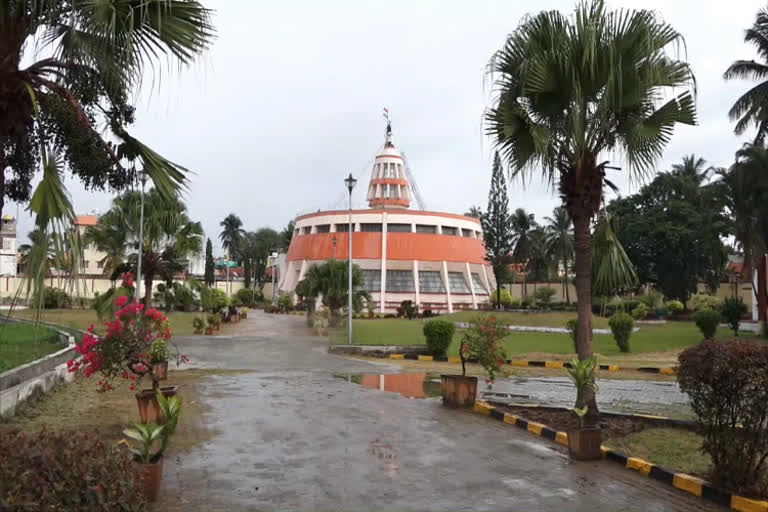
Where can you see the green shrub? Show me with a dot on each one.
(515, 303)
(482, 343)
(506, 298)
(199, 323)
(675, 306)
(51, 471)
(544, 295)
(213, 299)
(732, 310)
(285, 302)
(621, 326)
(651, 299)
(52, 298)
(248, 296)
(439, 334)
(408, 309)
(707, 321)
(573, 327)
(640, 311)
(704, 301)
(727, 384)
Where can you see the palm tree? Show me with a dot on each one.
(111, 239)
(572, 89)
(329, 280)
(560, 242)
(752, 107)
(231, 235)
(287, 234)
(68, 71)
(170, 237)
(522, 223)
(539, 260)
(474, 211)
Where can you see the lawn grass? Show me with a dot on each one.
(22, 343)
(532, 319)
(675, 449)
(179, 321)
(650, 339)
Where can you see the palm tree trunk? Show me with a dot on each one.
(147, 289)
(762, 294)
(583, 263)
(2, 175)
(565, 274)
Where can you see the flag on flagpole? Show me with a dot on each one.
(386, 112)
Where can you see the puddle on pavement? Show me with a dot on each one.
(410, 385)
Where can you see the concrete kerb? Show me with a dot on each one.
(418, 353)
(682, 481)
(530, 328)
(20, 383)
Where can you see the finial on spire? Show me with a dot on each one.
(389, 128)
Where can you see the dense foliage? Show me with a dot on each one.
(52, 298)
(640, 311)
(544, 295)
(704, 301)
(210, 277)
(733, 309)
(213, 299)
(727, 384)
(573, 327)
(506, 297)
(439, 334)
(56, 471)
(621, 325)
(497, 230)
(707, 321)
(483, 343)
(329, 280)
(674, 306)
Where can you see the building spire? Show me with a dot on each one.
(388, 142)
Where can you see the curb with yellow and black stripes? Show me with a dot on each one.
(681, 481)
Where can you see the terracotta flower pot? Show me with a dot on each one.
(160, 370)
(584, 444)
(149, 409)
(198, 331)
(217, 327)
(458, 390)
(209, 330)
(151, 479)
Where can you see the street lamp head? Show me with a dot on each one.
(335, 240)
(350, 182)
(143, 177)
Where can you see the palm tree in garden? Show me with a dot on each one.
(522, 223)
(111, 239)
(474, 211)
(170, 237)
(559, 232)
(539, 261)
(572, 89)
(231, 235)
(751, 109)
(329, 280)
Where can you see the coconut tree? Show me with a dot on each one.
(539, 261)
(231, 235)
(522, 224)
(474, 211)
(751, 109)
(169, 236)
(559, 232)
(572, 89)
(111, 239)
(329, 280)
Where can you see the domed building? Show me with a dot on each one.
(435, 259)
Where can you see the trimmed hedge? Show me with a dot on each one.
(621, 326)
(439, 334)
(707, 321)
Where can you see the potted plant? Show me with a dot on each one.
(214, 321)
(199, 324)
(158, 357)
(234, 314)
(584, 442)
(127, 351)
(480, 343)
(151, 460)
(244, 312)
(209, 324)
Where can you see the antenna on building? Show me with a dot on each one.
(412, 183)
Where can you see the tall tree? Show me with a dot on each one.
(329, 280)
(111, 239)
(169, 236)
(540, 261)
(474, 211)
(231, 235)
(210, 278)
(68, 72)
(560, 243)
(497, 230)
(287, 234)
(751, 109)
(522, 224)
(570, 90)
(265, 241)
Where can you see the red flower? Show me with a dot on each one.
(121, 301)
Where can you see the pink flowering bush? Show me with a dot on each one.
(483, 342)
(126, 350)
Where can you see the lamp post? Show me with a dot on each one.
(143, 178)
(350, 182)
(334, 246)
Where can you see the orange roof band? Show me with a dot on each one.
(391, 181)
(384, 210)
(381, 201)
(86, 220)
(400, 246)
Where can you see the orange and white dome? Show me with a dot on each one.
(388, 187)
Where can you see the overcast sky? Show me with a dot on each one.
(288, 101)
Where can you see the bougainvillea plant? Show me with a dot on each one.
(483, 342)
(126, 350)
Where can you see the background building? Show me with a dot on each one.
(8, 249)
(435, 259)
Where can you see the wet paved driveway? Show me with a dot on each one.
(291, 436)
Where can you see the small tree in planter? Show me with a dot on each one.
(214, 323)
(127, 352)
(621, 325)
(584, 442)
(149, 458)
(199, 323)
(480, 343)
(733, 309)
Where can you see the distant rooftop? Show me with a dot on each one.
(86, 220)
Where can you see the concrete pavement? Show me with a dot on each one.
(290, 436)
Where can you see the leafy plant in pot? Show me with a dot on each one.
(199, 323)
(584, 442)
(149, 458)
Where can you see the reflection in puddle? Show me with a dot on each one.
(411, 385)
